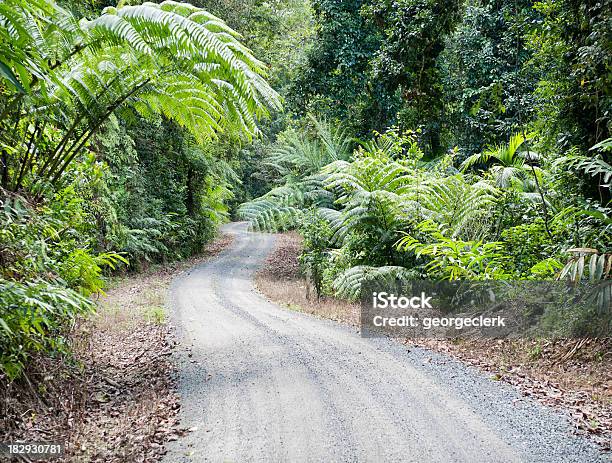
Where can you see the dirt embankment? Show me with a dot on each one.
(115, 400)
(280, 280)
(574, 375)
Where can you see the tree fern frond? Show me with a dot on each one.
(349, 283)
(336, 224)
(454, 203)
(336, 141)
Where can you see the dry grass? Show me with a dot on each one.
(292, 294)
(142, 296)
(281, 282)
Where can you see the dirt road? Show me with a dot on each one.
(262, 383)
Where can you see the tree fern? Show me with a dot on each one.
(302, 155)
(454, 203)
(265, 215)
(337, 225)
(169, 58)
(337, 143)
(297, 155)
(367, 175)
(299, 161)
(348, 284)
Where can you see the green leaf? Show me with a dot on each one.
(5, 326)
(8, 74)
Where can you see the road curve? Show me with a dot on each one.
(265, 384)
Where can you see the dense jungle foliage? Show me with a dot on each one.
(449, 140)
(118, 135)
(446, 140)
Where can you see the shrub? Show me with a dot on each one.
(46, 273)
(35, 318)
(314, 258)
(527, 245)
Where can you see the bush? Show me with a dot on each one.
(317, 234)
(34, 318)
(527, 245)
(46, 273)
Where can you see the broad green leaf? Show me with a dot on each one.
(8, 74)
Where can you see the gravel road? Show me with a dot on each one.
(262, 383)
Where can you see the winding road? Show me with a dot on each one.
(266, 384)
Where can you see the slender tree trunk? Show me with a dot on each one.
(190, 201)
(29, 154)
(71, 155)
(4, 162)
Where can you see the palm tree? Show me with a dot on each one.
(509, 164)
(511, 168)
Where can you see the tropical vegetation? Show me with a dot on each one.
(464, 139)
(90, 107)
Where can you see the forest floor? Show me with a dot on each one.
(572, 375)
(115, 401)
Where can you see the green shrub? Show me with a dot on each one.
(527, 245)
(452, 259)
(314, 258)
(35, 317)
(46, 273)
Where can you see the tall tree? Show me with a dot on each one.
(414, 33)
(334, 80)
(488, 85)
(573, 49)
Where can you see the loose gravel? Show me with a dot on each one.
(261, 383)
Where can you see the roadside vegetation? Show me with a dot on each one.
(108, 133)
(419, 139)
(477, 149)
(113, 399)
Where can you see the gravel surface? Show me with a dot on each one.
(261, 383)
